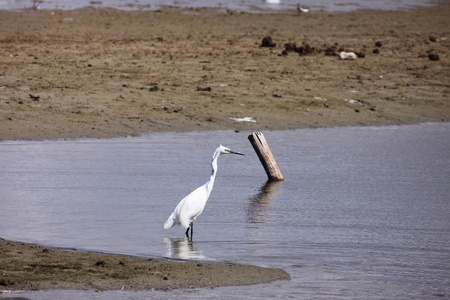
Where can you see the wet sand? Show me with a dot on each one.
(105, 73)
(31, 267)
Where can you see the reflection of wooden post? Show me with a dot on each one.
(265, 156)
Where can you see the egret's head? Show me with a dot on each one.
(225, 150)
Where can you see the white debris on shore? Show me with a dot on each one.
(245, 119)
(347, 55)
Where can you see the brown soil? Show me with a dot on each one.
(106, 73)
(31, 267)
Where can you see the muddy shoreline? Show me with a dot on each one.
(105, 73)
(26, 266)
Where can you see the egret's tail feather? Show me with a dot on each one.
(169, 223)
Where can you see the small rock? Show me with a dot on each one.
(330, 51)
(433, 57)
(290, 47)
(378, 44)
(206, 89)
(433, 38)
(376, 51)
(34, 97)
(306, 49)
(267, 42)
(100, 263)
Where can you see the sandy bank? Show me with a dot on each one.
(105, 73)
(31, 267)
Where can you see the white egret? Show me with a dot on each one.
(188, 210)
(302, 9)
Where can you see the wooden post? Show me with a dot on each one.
(261, 147)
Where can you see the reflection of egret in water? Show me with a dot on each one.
(182, 249)
(257, 208)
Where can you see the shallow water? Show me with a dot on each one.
(239, 5)
(363, 212)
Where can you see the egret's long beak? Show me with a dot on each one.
(234, 152)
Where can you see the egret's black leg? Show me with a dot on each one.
(192, 230)
(191, 226)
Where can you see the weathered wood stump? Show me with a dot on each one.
(262, 149)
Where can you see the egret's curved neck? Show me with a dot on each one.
(210, 183)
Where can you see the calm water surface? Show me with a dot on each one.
(239, 5)
(363, 212)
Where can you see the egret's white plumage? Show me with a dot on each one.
(302, 9)
(193, 204)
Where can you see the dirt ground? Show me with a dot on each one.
(31, 267)
(106, 73)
